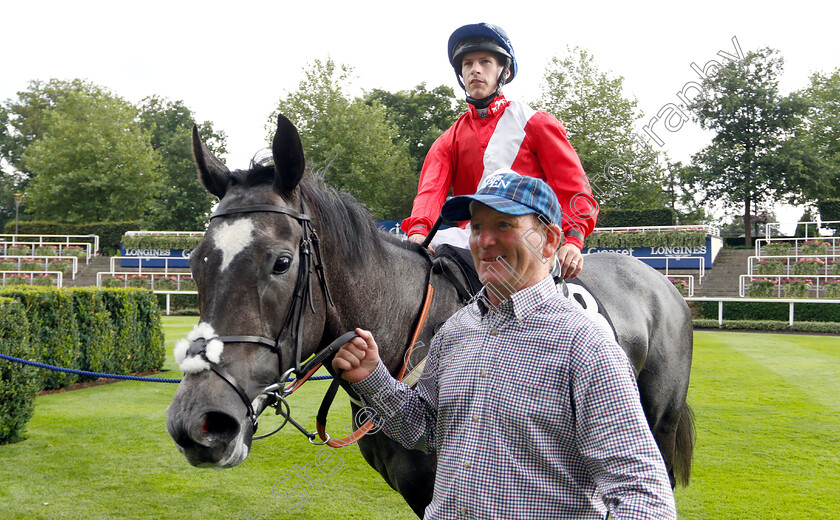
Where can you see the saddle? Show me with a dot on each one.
(449, 260)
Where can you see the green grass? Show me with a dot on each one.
(767, 447)
(768, 417)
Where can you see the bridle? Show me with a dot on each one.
(309, 257)
(275, 394)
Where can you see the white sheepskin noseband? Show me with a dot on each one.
(195, 363)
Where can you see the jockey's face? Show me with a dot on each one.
(480, 71)
(499, 244)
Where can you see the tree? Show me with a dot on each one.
(822, 135)
(419, 115)
(90, 161)
(349, 141)
(755, 158)
(181, 203)
(623, 170)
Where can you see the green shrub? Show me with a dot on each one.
(29, 264)
(161, 241)
(46, 250)
(768, 325)
(53, 330)
(646, 238)
(814, 247)
(187, 284)
(797, 287)
(77, 251)
(113, 282)
(19, 250)
(139, 281)
(761, 288)
(109, 233)
(8, 265)
(19, 384)
(96, 329)
(62, 266)
(770, 266)
(43, 280)
(739, 311)
(830, 211)
(777, 249)
(832, 289)
(138, 343)
(165, 283)
(636, 217)
(17, 279)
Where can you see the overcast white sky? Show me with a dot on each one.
(231, 61)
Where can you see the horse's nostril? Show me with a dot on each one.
(219, 426)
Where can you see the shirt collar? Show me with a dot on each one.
(521, 303)
(496, 107)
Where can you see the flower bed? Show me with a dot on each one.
(832, 289)
(761, 288)
(17, 279)
(797, 287)
(770, 266)
(646, 238)
(138, 280)
(165, 283)
(680, 284)
(188, 284)
(814, 247)
(777, 249)
(44, 280)
(808, 265)
(30, 264)
(18, 250)
(8, 265)
(62, 266)
(46, 251)
(77, 251)
(161, 241)
(116, 280)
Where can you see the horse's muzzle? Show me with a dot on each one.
(210, 439)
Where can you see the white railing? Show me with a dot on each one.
(6, 275)
(809, 227)
(710, 230)
(164, 233)
(74, 262)
(701, 264)
(834, 243)
(790, 301)
(127, 277)
(33, 246)
(141, 259)
(828, 261)
(778, 286)
(54, 239)
(690, 282)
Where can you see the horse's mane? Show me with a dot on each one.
(346, 223)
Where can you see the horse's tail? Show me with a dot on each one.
(684, 448)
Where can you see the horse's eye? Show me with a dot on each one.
(282, 264)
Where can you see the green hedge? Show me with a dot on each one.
(768, 325)
(667, 238)
(161, 242)
(110, 233)
(18, 383)
(830, 210)
(98, 330)
(772, 311)
(636, 217)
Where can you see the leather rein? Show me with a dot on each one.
(275, 394)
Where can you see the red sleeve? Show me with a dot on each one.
(565, 175)
(435, 180)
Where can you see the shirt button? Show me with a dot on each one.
(483, 373)
(463, 510)
(467, 465)
(494, 332)
(520, 319)
(475, 418)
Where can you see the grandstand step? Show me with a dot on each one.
(87, 273)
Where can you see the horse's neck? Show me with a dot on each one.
(384, 297)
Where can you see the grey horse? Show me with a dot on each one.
(249, 270)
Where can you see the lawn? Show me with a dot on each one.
(767, 447)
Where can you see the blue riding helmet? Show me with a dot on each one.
(481, 37)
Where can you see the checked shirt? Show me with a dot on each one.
(534, 414)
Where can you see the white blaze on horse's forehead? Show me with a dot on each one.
(231, 238)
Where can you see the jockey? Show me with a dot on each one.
(496, 133)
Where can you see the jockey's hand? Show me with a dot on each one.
(417, 238)
(571, 261)
(358, 357)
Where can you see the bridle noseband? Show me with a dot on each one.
(309, 257)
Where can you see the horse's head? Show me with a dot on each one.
(255, 293)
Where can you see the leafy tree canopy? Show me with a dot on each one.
(349, 141)
(181, 203)
(624, 172)
(89, 160)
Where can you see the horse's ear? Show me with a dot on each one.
(212, 173)
(289, 162)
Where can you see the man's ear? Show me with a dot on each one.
(553, 239)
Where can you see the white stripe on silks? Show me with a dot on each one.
(506, 139)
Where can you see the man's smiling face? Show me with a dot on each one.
(503, 261)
